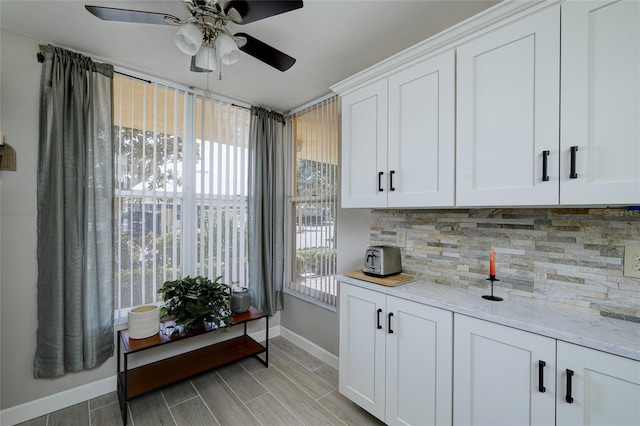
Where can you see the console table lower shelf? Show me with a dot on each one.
(136, 382)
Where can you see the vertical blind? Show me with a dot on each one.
(221, 189)
(314, 153)
(180, 189)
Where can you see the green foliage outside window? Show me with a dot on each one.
(315, 262)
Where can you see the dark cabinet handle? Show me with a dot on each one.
(390, 315)
(380, 181)
(541, 365)
(573, 174)
(379, 325)
(545, 176)
(568, 397)
(391, 173)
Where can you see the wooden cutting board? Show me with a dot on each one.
(391, 281)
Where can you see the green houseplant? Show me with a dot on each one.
(192, 302)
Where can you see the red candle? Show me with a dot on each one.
(492, 262)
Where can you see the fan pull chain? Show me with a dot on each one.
(207, 92)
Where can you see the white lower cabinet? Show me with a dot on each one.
(395, 357)
(498, 377)
(499, 380)
(412, 364)
(419, 364)
(362, 348)
(596, 388)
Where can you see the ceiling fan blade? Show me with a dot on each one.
(136, 16)
(267, 54)
(254, 10)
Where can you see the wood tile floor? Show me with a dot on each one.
(296, 389)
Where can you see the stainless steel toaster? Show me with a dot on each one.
(382, 261)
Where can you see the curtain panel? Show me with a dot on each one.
(266, 209)
(75, 225)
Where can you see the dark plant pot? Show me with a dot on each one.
(240, 300)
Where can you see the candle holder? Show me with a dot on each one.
(492, 278)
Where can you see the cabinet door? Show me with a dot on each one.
(601, 102)
(362, 348)
(419, 364)
(508, 114)
(421, 145)
(364, 147)
(605, 388)
(496, 375)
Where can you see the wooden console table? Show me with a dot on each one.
(135, 382)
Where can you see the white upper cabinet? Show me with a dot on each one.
(531, 110)
(364, 146)
(600, 102)
(398, 138)
(421, 146)
(508, 114)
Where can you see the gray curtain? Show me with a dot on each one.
(75, 225)
(266, 209)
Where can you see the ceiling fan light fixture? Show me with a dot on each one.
(227, 49)
(206, 58)
(207, 26)
(189, 39)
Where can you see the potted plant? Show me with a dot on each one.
(192, 302)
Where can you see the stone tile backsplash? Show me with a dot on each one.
(570, 256)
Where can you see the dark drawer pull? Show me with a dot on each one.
(391, 173)
(390, 315)
(541, 387)
(568, 397)
(545, 175)
(379, 325)
(380, 181)
(573, 174)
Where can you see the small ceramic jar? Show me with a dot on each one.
(240, 299)
(144, 321)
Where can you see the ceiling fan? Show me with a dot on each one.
(205, 37)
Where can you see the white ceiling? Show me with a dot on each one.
(331, 40)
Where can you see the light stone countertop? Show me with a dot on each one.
(574, 325)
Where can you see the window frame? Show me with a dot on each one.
(188, 200)
(326, 300)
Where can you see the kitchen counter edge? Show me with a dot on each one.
(580, 326)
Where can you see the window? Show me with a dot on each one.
(180, 191)
(312, 212)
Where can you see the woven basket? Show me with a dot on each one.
(144, 321)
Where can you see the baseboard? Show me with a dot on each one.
(40, 407)
(261, 335)
(315, 350)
